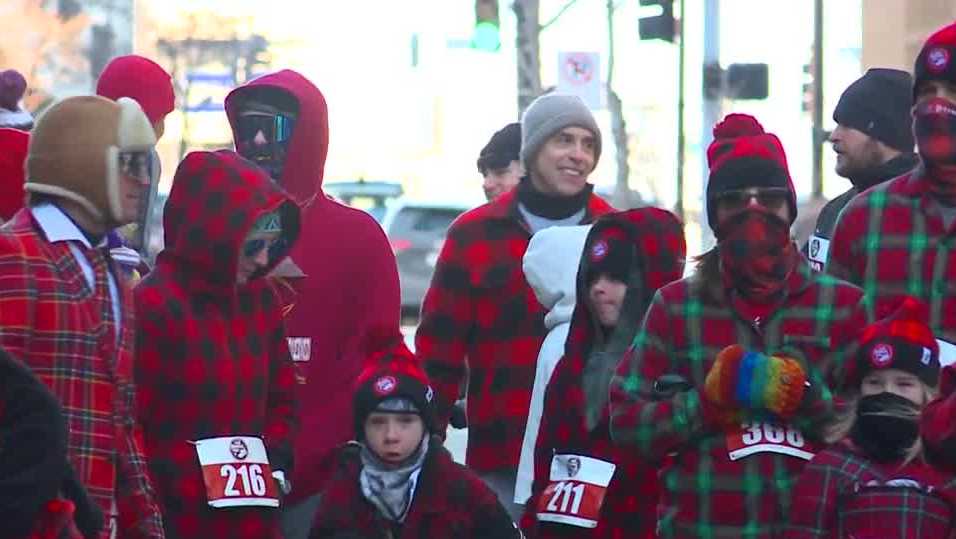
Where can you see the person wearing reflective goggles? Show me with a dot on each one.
(280, 122)
(65, 308)
(751, 339)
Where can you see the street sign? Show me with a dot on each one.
(579, 73)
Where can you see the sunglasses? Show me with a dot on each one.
(136, 164)
(771, 198)
(255, 246)
(274, 127)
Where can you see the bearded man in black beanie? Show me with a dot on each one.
(873, 141)
(480, 316)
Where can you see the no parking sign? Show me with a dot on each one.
(579, 73)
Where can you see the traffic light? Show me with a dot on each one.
(486, 36)
(660, 25)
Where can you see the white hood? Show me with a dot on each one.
(551, 268)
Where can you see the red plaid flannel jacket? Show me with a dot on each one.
(630, 504)
(52, 321)
(842, 494)
(212, 358)
(450, 501)
(891, 241)
(703, 491)
(480, 307)
(938, 425)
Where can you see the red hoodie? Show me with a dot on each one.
(349, 297)
(13, 155)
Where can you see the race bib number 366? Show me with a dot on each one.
(576, 491)
(766, 437)
(236, 472)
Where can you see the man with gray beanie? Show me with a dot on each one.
(480, 316)
(873, 141)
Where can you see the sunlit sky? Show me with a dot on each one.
(426, 125)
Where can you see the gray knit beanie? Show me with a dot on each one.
(549, 114)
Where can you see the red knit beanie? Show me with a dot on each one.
(393, 374)
(13, 156)
(936, 59)
(141, 79)
(901, 341)
(742, 156)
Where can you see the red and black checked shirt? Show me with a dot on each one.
(212, 358)
(842, 494)
(64, 331)
(891, 241)
(938, 424)
(450, 502)
(703, 492)
(481, 312)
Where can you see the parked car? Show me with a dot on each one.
(371, 196)
(417, 231)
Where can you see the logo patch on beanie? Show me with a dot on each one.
(385, 385)
(429, 394)
(927, 356)
(599, 250)
(882, 355)
(937, 60)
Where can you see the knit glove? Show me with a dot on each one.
(756, 382)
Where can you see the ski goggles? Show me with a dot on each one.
(274, 127)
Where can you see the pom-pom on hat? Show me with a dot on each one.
(901, 341)
(742, 156)
(937, 59)
(392, 381)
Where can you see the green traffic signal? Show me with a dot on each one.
(486, 37)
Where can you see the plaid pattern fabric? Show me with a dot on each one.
(657, 241)
(891, 241)
(842, 494)
(65, 332)
(480, 307)
(938, 424)
(212, 356)
(450, 501)
(704, 494)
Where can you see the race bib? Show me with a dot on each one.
(819, 250)
(300, 348)
(947, 353)
(576, 491)
(236, 472)
(767, 437)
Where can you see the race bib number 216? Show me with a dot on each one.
(236, 472)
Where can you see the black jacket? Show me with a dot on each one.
(827, 220)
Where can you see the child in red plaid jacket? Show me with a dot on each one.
(874, 481)
(627, 257)
(397, 481)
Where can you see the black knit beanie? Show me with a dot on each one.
(878, 105)
(503, 148)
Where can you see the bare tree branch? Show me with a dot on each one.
(560, 12)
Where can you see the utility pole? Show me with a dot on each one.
(711, 108)
(528, 50)
(681, 142)
(819, 135)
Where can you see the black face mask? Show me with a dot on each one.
(886, 426)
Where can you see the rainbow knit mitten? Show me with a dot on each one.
(756, 382)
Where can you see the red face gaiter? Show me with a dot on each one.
(756, 254)
(934, 125)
